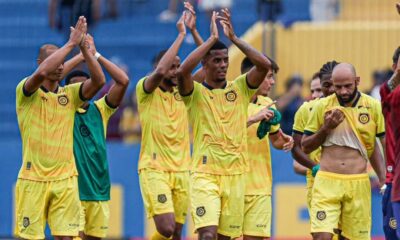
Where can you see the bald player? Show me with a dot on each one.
(218, 113)
(47, 188)
(165, 150)
(345, 125)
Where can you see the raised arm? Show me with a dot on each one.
(71, 64)
(165, 63)
(190, 22)
(332, 120)
(117, 91)
(185, 82)
(97, 80)
(51, 63)
(261, 63)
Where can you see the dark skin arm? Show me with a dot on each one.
(332, 120)
(97, 79)
(299, 169)
(154, 80)
(117, 90)
(298, 155)
(185, 82)
(190, 22)
(261, 63)
(71, 64)
(51, 63)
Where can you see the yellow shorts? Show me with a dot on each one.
(56, 201)
(257, 215)
(94, 218)
(345, 199)
(165, 192)
(218, 201)
(310, 183)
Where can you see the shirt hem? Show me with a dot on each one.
(162, 169)
(47, 180)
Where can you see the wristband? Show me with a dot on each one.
(315, 170)
(97, 55)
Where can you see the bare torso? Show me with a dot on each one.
(342, 160)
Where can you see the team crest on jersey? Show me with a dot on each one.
(393, 223)
(25, 222)
(84, 130)
(231, 96)
(161, 198)
(177, 96)
(321, 215)
(363, 118)
(63, 100)
(200, 211)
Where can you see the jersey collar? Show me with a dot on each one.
(354, 103)
(46, 90)
(211, 88)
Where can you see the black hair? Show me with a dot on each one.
(247, 65)
(327, 68)
(396, 55)
(76, 73)
(218, 46)
(315, 76)
(157, 58)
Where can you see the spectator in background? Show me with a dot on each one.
(269, 10)
(63, 13)
(324, 10)
(129, 126)
(170, 14)
(289, 102)
(378, 78)
(214, 5)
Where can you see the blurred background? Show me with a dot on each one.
(301, 35)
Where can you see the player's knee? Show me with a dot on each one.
(322, 236)
(178, 231)
(167, 229)
(207, 235)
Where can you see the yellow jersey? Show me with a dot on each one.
(219, 121)
(259, 178)
(165, 130)
(364, 117)
(46, 123)
(300, 122)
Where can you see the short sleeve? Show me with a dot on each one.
(299, 120)
(21, 96)
(74, 92)
(105, 109)
(244, 87)
(193, 96)
(141, 94)
(380, 120)
(315, 119)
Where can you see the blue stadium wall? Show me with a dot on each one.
(290, 217)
